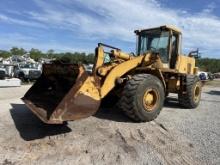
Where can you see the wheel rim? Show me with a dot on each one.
(197, 92)
(150, 99)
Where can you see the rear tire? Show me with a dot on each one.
(142, 98)
(192, 96)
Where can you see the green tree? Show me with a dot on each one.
(76, 57)
(36, 54)
(208, 64)
(90, 58)
(50, 53)
(4, 54)
(17, 51)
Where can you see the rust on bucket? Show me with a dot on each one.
(63, 92)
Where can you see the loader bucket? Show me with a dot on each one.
(63, 92)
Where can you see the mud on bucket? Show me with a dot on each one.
(63, 92)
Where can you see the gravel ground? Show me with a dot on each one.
(177, 136)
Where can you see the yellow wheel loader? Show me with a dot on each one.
(140, 81)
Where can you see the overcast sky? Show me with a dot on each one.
(78, 25)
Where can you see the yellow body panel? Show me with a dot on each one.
(121, 55)
(118, 71)
(185, 64)
(170, 27)
(99, 59)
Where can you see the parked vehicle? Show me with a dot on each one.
(2, 73)
(88, 67)
(27, 72)
(205, 75)
(211, 76)
(202, 76)
(217, 75)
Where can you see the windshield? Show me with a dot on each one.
(154, 41)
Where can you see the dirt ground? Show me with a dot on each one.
(177, 136)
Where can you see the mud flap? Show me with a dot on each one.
(63, 93)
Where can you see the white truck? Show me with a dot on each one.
(2, 73)
(27, 72)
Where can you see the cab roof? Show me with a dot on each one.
(168, 27)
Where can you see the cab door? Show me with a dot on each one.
(174, 50)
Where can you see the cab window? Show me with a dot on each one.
(154, 41)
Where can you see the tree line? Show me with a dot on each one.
(208, 64)
(37, 54)
(205, 64)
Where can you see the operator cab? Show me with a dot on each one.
(164, 40)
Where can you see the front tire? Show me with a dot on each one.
(143, 97)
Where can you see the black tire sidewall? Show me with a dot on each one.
(156, 84)
(187, 99)
(196, 81)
